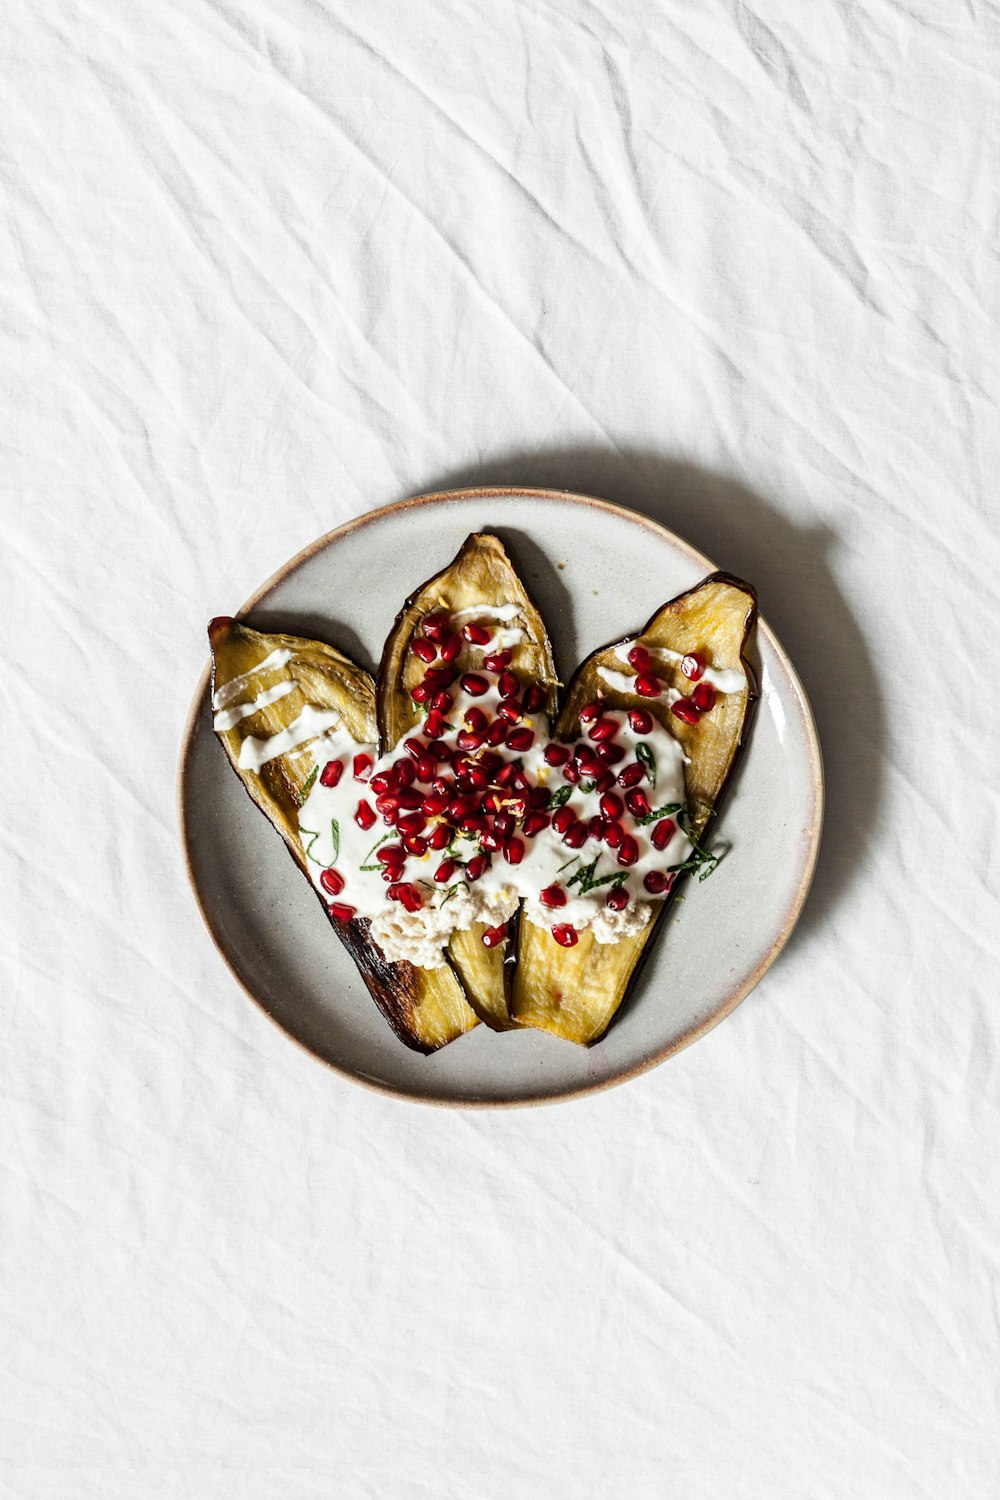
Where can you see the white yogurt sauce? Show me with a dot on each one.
(310, 723)
(228, 718)
(279, 658)
(723, 679)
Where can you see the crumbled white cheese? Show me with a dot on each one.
(610, 926)
(419, 937)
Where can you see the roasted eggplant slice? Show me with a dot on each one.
(694, 641)
(275, 697)
(480, 585)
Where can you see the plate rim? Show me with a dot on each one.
(733, 997)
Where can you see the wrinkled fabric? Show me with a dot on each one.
(270, 265)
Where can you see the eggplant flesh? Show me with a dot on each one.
(426, 1008)
(480, 574)
(576, 992)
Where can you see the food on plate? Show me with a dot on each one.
(295, 715)
(475, 865)
(672, 704)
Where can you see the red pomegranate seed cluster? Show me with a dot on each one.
(436, 791)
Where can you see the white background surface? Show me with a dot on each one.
(266, 266)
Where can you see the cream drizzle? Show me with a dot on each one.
(229, 717)
(311, 722)
(723, 679)
(230, 690)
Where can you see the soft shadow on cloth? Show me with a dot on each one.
(792, 567)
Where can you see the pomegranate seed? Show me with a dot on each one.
(641, 720)
(693, 666)
(413, 823)
(662, 833)
(511, 710)
(506, 774)
(393, 891)
(445, 871)
(410, 897)
(383, 782)
(477, 866)
(391, 854)
(494, 936)
(490, 762)
(639, 658)
(415, 844)
(638, 803)
(617, 898)
(474, 685)
(557, 755)
(331, 773)
(435, 725)
(628, 852)
(473, 824)
(387, 806)
(409, 799)
(461, 807)
(425, 769)
(439, 678)
(497, 732)
(605, 781)
(612, 805)
(535, 823)
(443, 702)
(476, 721)
(505, 824)
(597, 828)
(451, 647)
(565, 935)
(521, 739)
(539, 797)
(425, 650)
(604, 729)
(508, 684)
(588, 764)
(571, 773)
(703, 697)
(518, 805)
(591, 712)
(614, 835)
(656, 882)
(442, 786)
(576, 836)
(480, 778)
(513, 851)
(438, 749)
(563, 818)
(492, 803)
(647, 685)
(341, 912)
(332, 882)
(362, 767)
(405, 772)
(364, 816)
(497, 661)
(467, 740)
(491, 840)
(441, 837)
(422, 692)
(414, 747)
(476, 635)
(685, 710)
(436, 626)
(534, 698)
(552, 895)
(611, 754)
(632, 774)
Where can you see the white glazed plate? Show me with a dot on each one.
(597, 572)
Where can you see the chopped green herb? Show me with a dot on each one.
(377, 845)
(309, 847)
(587, 882)
(574, 861)
(588, 786)
(660, 812)
(449, 892)
(562, 795)
(335, 839)
(701, 859)
(307, 788)
(644, 754)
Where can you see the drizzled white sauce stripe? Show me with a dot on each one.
(229, 717)
(230, 690)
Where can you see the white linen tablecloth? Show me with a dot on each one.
(268, 264)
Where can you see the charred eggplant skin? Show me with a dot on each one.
(549, 981)
(425, 1008)
(480, 573)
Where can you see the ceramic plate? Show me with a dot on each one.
(597, 572)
